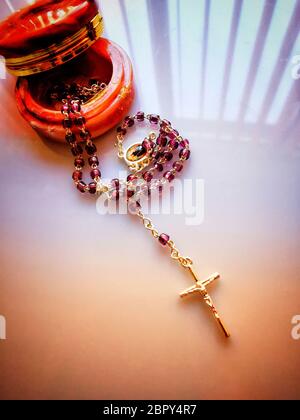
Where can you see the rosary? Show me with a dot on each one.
(143, 159)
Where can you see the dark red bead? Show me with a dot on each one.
(65, 108)
(81, 186)
(70, 137)
(163, 133)
(121, 130)
(154, 119)
(115, 183)
(91, 148)
(164, 239)
(92, 187)
(185, 154)
(95, 173)
(130, 193)
(79, 162)
(169, 176)
(140, 116)
(93, 160)
(85, 134)
(77, 175)
(148, 176)
(168, 156)
(173, 134)
(161, 141)
(76, 150)
(178, 166)
(131, 178)
(173, 144)
(67, 123)
(129, 121)
(157, 155)
(184, 143)
(165, 123)
(159, 167)
(75, 107)
(80, 121)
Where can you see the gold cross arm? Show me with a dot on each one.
(200, 287)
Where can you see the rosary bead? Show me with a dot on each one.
(93, 160)
(164, 239)
(168, 156)
(76, 150)
(148, 176)
(169, 176)
(173, 134)
(65, 108)
(121, 130)
(77, 175)
(178, 166)
(67, 123)
(159, 167)
(75, 107)
(80, 121)
(115, 183)
(130, 193)
(161, 141)
(131, 178)
(70, 137)
(165, 123)
(185, 154)
(184, 143)
(85, 134)
(140, 116)
(157, 155)
(79, 162)
(92, 187)
(129, 121)
(81, 186)
(154, 119)
(91, 148)
(173, 144)
(95, 173)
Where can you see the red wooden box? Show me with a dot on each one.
(60, 41)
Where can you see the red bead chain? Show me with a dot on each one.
(71, 110)
(162, 151)
(168, 144)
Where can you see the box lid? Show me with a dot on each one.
(48, 33)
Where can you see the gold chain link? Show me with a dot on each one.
(119, 145)
(186, 262)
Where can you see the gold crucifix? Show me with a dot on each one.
(200, 287)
